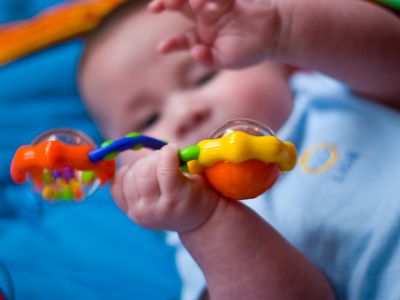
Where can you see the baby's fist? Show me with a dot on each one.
(155, 194)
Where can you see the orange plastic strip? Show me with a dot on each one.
(54, 25)
(56, 155)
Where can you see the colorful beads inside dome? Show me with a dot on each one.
(66, 183)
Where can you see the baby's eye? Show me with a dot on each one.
(150, 121)
(206, 78)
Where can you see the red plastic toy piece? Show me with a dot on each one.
(56, 155)
(245, 180)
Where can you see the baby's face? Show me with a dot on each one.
(128, 86)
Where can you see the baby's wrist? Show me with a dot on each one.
(283, 47)
(221, 207)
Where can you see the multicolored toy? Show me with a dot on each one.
(242, 160)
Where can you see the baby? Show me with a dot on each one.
(325, 247)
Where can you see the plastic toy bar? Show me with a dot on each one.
(242, 160)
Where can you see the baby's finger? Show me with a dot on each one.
(169, 175)
(173, 44)
(210, 10)
(196, 5)
(202, 54)
(182, 41)
(174, 4)
(117, 189)
(144, 173)
(156, 6)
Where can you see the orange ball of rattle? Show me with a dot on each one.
(245, 180)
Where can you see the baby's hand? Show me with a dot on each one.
(155, 194)
(227, 33)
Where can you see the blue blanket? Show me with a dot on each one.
(82, 251)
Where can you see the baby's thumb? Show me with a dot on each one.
(169, 175)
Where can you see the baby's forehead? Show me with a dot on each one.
(150, 26)
(126, 62)
(138, 34)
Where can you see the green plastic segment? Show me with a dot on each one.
(137, 147)
(106, 143)
(132, 134)
(111, 155)
(185, 169)
(391, 3)
(189, 153)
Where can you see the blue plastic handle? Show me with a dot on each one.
(123, 144)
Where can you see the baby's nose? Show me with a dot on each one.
(188, 114)
(194, 118)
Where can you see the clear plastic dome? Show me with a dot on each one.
(65, 135)
(245, 125)
(246, 179)
(67, 183)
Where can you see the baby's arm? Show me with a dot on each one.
(241, 256)
(354, 41)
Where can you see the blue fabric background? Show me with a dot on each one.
(78, 251)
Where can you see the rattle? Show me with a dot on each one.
(241, 160)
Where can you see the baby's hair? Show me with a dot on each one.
(111, 20)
